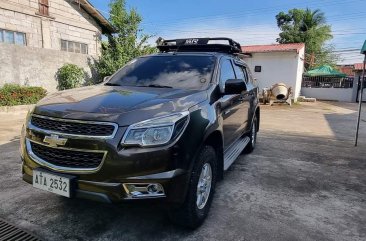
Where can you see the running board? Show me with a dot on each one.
(234, 151)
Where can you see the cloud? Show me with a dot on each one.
(248, 34)
(244, 34)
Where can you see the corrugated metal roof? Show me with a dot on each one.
(296, 47)
(346, 69)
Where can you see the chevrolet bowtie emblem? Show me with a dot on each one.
(54, 140)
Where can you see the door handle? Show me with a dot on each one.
(243, 96)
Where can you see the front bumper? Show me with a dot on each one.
(173, 183)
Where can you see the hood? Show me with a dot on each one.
(123, 105)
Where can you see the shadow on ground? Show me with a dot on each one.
(57, 218)
(343, 125)
(292, 187)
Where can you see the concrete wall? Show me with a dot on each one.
(338, 94)
(299, 71)
(36, 66)
(37, 63)
(66, 21)
(285, 67)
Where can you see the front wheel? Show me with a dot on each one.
(201, 189)
(252, 136)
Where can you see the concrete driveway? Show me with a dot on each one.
(304, 181)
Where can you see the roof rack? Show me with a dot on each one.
(199, 45)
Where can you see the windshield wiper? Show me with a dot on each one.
(155, 86)
(111, 84)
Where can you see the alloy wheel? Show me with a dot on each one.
(204, 186)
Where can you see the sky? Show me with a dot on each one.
(248, 22)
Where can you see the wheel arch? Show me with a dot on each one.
(216, 140)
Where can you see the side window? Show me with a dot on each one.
(248, 75)
(12, 37)
(226, 72)
(75, 47)
(240, 73)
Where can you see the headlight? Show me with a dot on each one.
(157, 131)
(23, 131)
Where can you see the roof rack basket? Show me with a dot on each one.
(199, 45)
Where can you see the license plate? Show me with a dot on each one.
(51, 183)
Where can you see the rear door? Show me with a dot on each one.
(251, 95)
(245, 97)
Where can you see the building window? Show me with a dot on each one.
(12, 37)
(43, 7)
(74, 47)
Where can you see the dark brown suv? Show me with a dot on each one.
(165, 126)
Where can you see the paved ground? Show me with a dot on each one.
(305, 181)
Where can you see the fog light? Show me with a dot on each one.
(144, 190)
(153, 188)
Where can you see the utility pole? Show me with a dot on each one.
(363, 51)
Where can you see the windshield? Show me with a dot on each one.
(175, 71)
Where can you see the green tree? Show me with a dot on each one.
(309, 27)
(126, 43)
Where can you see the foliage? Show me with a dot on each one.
(70, 76)
(309, 27)
(12, 94)
(126, 44)
(326, 57)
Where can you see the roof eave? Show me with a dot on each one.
(297, 49)
(98, 17)
(255, 52)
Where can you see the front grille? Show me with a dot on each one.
(67, 158)
(73, 127)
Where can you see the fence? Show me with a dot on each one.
(327, 82)
(359, 87)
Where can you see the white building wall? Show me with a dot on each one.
(300, 71)
(337, 94)
(278, 67)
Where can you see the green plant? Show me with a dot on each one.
(309, 27)
(12, 94)
(127, 43)
(70, 76)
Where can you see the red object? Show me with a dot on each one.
(346, 69)
(273, 48)
(358, 66)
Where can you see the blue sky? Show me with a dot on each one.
(248, 22)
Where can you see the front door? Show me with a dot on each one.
(232, 106)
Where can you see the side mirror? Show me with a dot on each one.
(235, 86)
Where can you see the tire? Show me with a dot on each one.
(252, 136)
(193, 211)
